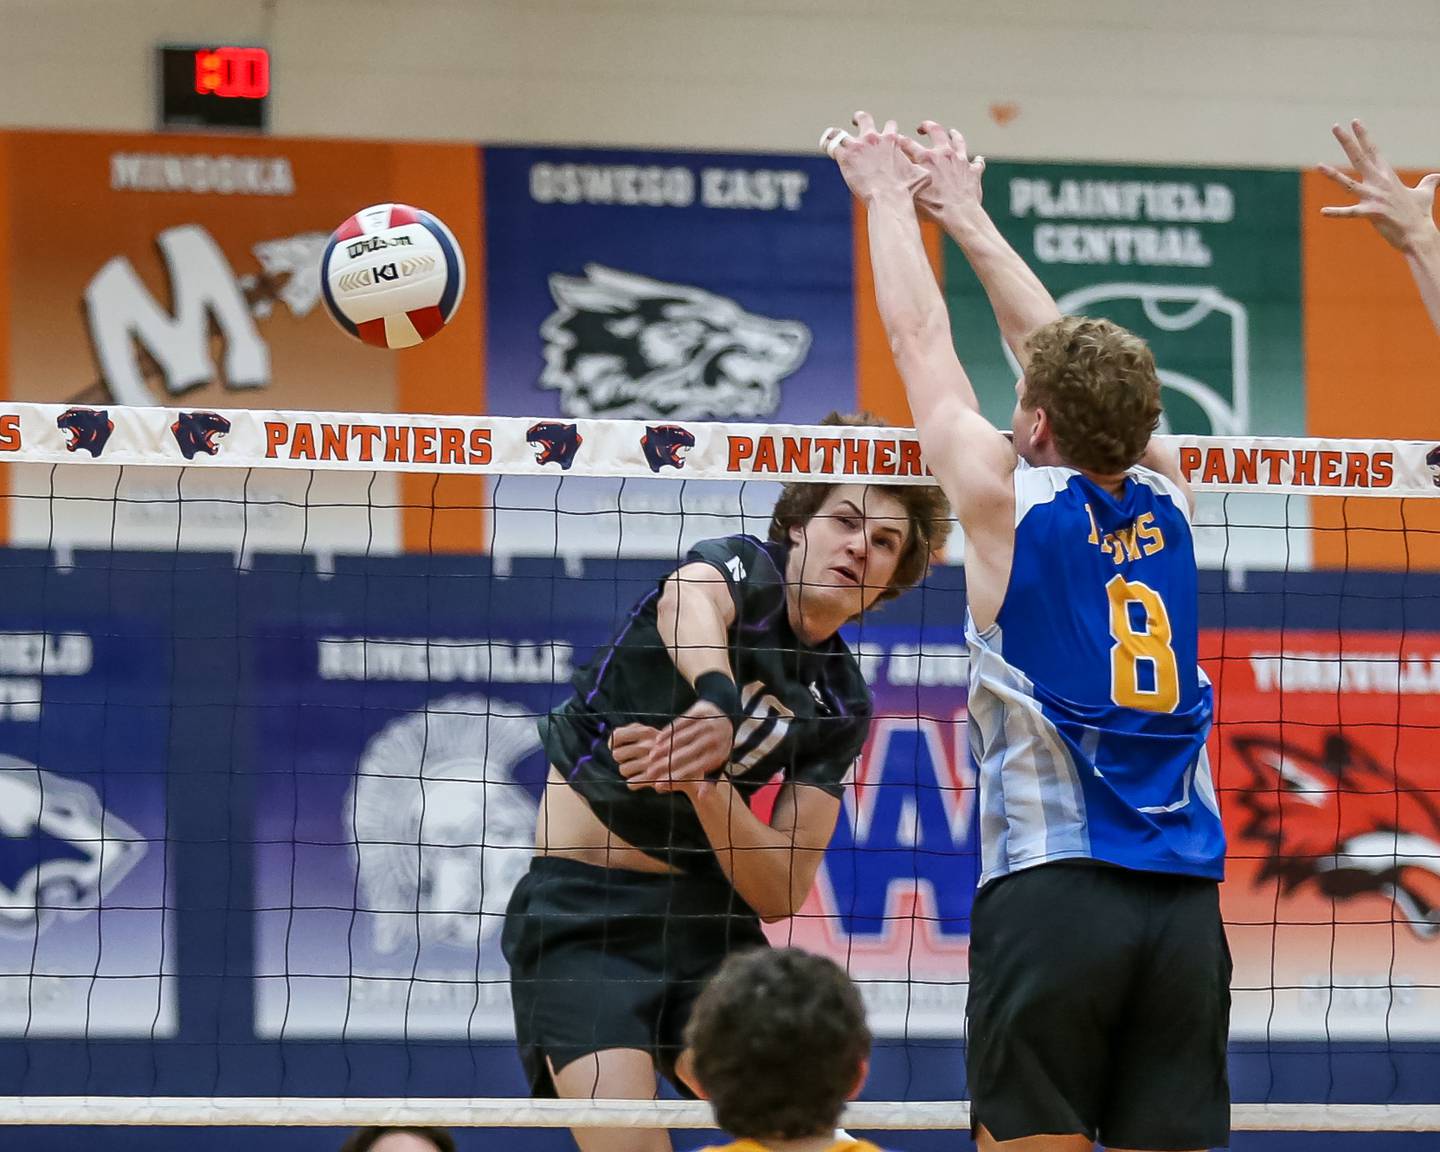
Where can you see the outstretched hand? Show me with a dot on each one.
(952, 181)
(873, 161)
(1401, 214)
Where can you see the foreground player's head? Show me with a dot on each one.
(779, 1043)
(399, 1140)
(1089, 399)
(858, 544)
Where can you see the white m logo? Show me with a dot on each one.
(120, 311)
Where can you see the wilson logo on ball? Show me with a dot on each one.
(387, 298)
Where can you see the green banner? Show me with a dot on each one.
(1202, 262)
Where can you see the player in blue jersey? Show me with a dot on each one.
(1099, 998)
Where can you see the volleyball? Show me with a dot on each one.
(392, 275)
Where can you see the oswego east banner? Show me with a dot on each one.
(674, 288)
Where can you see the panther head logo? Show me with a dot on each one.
(1432, 458)
(1338, 819)
(86, 429)
(628, 347)
(196, 432)
(666, 444)
(554, 442)
(60, 849)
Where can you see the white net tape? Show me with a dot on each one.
(922, 1115)
(512, 446)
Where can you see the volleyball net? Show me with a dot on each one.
(269, 768)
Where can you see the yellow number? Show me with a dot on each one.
(1151, 645)
(1150, 534)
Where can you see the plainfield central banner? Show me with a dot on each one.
(1204, 263)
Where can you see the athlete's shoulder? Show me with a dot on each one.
(1038, 485)
(741, 555)
(753, 569)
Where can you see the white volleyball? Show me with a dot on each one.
(392, 275)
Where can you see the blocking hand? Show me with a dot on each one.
(872, 161)
(1401, 214)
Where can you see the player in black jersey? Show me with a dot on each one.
(650, 866)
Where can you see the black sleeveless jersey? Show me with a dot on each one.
(807, 708)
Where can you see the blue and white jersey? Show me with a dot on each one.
(1088, 707)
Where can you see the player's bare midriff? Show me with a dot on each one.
(566, 826)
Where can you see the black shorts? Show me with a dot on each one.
(1100, 1004)
(602, 958)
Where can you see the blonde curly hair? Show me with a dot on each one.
(1098, 385)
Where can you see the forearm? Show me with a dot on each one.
(771, 872)
(912, 308)
(1424, 260)
(1021, 303)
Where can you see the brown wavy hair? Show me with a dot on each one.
(779, 1039)
(925, 506)
(1098, 385)
(363, 1139)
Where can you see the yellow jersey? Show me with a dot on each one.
(755, 1146)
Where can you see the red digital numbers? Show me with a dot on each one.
(235, 73)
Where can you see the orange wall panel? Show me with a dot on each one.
(879, 386)
(445, 375)
(1372, 367)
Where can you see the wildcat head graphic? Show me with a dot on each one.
(626, 346)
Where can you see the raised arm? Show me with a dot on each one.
(951, 195)
(1404, 216)
(970, 458)
(693, 617)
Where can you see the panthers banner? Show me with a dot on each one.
(1203, 263)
